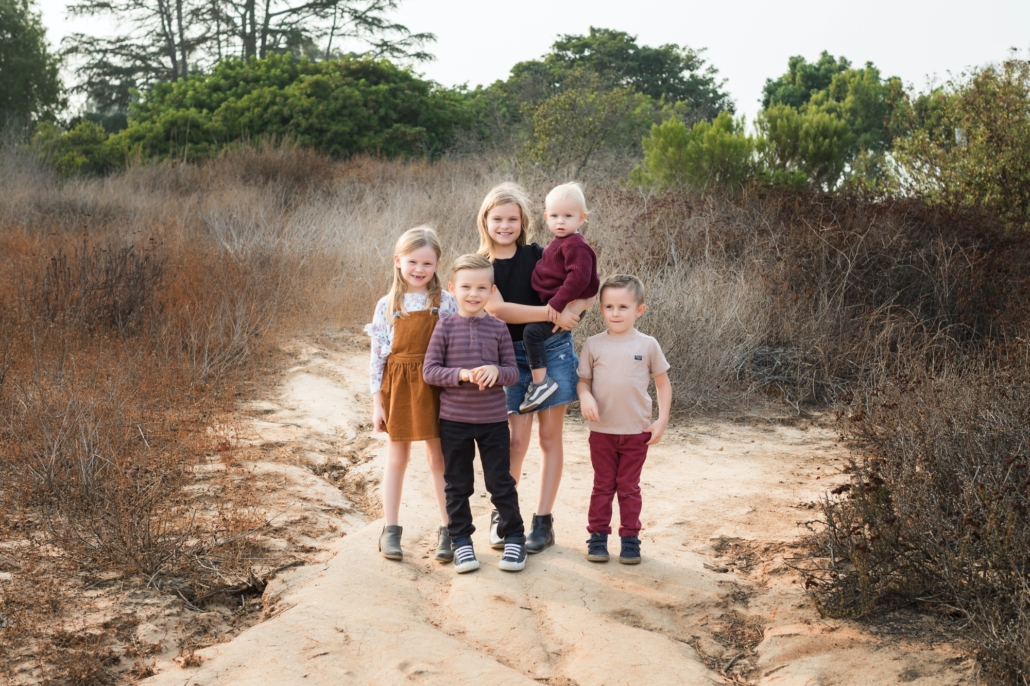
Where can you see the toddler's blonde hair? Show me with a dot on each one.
(567, 191)
(410, 241)
(502, 195)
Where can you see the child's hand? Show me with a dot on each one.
(485, 376)
(378, 417)
(657, 429)
(588, 408)
(566, 321)
(552, 314)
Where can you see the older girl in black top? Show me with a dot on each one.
(505, 223)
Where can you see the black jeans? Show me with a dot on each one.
(459, 441)
(534, 338)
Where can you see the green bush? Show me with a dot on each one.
(810, 146)
(85, 149)
(338, 108)
(719, 153)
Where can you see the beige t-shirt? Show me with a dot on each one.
(620, 370)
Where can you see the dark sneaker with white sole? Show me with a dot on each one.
(496, 542)
(597, 547)
(464, 556)
(514, 558)
(537, 393)
(630, 554)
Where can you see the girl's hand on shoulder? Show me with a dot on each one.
(485, 376)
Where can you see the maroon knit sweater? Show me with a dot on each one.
(567, 271)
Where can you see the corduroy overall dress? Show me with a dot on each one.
(411, 405)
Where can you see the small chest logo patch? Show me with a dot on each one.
(638, 357)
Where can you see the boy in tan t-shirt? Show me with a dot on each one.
(615, 368)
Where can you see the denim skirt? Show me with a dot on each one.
(562, 364)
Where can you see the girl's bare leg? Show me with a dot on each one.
(521, 428)
(434, 456)
(397, 455)
(551, 421)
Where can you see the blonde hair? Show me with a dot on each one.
(627, 281)
(473, 261)
(567, 191)
(410, 241)
(502, 195)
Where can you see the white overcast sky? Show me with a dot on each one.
(748, 40)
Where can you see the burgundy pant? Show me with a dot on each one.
(618, 460)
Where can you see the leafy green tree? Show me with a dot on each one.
(339, 108)
(164, 40)
(802, 80)
(810, 146)
(969, 143)
(570, 127)
(30, 85)
(669, 73)
(719, 153)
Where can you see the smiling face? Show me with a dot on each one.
(564, 217)
(472, 288)
(504, 224)
(417, 268)
(620, 309)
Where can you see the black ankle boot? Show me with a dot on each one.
(541, 535)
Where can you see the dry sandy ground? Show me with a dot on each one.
(712, 603)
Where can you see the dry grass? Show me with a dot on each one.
(135, 309)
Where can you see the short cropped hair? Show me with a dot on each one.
(568, 191)
(627, 281)
(473, 261)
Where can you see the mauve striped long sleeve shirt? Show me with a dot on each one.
(466, 343)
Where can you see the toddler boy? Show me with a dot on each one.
(566, 271)
(615, 368)
(471, 357)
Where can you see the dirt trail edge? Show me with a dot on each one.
(712, 603)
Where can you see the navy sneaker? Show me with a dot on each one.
(464, 556)
(630, 554)
(514, 558)
(597, 547)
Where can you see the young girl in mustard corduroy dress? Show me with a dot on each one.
(403, 405)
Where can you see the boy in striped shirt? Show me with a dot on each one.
(470, 357)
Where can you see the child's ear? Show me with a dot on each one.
(450, 287)
(641, 309)
(397, 261)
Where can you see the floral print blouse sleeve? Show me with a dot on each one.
(381, 332)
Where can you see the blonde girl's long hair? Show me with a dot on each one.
(502, 195)
(410, 241)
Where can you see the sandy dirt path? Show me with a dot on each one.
(712, 603)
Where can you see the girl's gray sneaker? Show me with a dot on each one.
(496, 542)
(597, 547)
(464, 556)
(443, 546)
(514, 558)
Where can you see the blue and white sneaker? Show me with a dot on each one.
(514, 558)
(464, 556)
